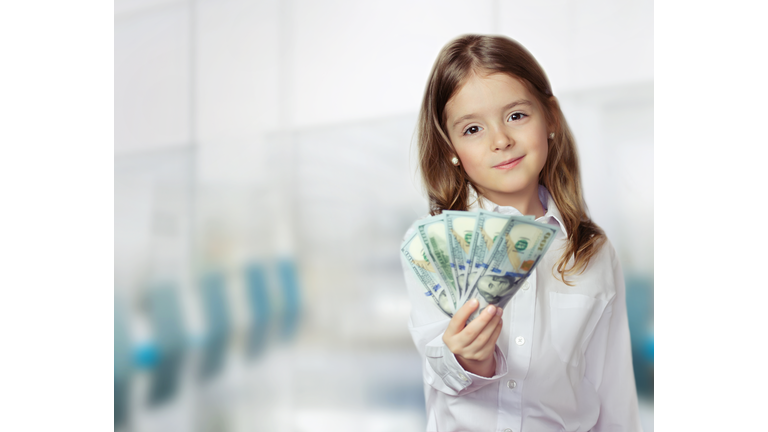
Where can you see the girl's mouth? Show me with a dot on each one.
(509, 164)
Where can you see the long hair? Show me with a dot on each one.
(447, 185)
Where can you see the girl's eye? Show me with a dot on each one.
(472, 130)
(516, 116)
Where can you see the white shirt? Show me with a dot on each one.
(563, 359)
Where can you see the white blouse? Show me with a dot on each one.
(563, 359)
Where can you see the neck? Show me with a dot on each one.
(525, 201)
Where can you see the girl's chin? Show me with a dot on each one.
(507, 193)
(511, 191)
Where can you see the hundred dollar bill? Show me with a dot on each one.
(520, 246)
(487, 228)
(425, 272)
(460, 226)
(435, 240)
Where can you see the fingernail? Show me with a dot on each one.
(490, 309)
(499, 311)
(473, 301)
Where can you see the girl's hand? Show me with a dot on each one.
(473, 344)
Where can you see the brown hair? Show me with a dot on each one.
(448, 186)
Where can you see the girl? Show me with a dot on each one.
(557, 358)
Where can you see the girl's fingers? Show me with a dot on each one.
(470, 341)
(486, 352)
(456, 324)
(491, 343)
(486, 335)
(473, 329)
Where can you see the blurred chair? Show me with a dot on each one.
(640, 315)
(289, 283)
(218, 322)
(259, 307)
(122, 362)
(170, 339)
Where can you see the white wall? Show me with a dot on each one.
(152, 78)
(264, 65)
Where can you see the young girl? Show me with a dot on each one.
(557, 358)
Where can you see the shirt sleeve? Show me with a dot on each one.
(427, 324)
(609, 360)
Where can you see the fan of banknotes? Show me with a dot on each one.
(460, 255)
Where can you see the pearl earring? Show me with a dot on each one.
(455, 161)
(551, 135)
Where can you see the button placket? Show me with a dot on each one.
(523, 310)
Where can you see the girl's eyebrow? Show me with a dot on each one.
(504, 108)
(516, 103)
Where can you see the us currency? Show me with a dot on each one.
(460, 226)
(520, 246)
(435, 240)
(425, 272)
(487, 228)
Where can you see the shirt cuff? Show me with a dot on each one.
(445, 365)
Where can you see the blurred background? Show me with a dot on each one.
(265, 175)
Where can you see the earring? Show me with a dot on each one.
(455, 161)
(551, 135)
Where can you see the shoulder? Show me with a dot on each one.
(605, 250)
(604, 269)
(598, 280)
(607, 255)
(605, 259)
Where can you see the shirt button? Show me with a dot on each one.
(463, 378)
(519, 340)
(511, 384)
(508, 430)
(526, 285)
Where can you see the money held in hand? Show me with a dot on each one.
(481, 255)
(425, 272)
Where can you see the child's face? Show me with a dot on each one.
(500, 133)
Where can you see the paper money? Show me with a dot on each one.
(425, 272)
(487, 228)
(520, 245)
(460, 227)
(435, 240)
(485, 255)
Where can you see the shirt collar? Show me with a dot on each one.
(552, 215)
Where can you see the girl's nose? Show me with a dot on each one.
(501, 139)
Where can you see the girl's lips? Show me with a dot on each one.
(509, 164)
